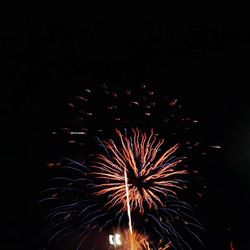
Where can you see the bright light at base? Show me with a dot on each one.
(115, 239)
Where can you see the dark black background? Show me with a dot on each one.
(49, 54)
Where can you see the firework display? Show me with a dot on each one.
(149, 177)
(128, 177)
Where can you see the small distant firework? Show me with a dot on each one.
(89, 195)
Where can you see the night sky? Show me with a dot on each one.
(49, 55)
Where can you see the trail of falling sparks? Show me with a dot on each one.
(128, 209)
(140, 241)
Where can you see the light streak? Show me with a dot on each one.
(128, 209)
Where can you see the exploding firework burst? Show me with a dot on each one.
(88, 196)
(150, 178)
